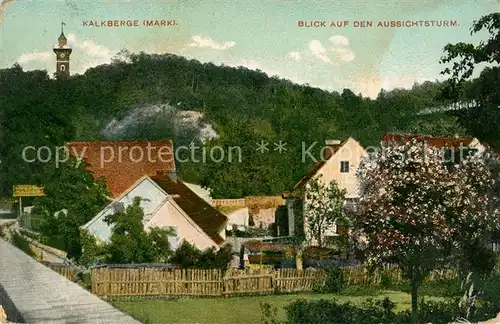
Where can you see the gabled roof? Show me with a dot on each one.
(332, 149)
(209, 219)
(436, 141)
(120, 162)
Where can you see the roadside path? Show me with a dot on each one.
(32, 293)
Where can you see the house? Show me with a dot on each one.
(238, 218)
(451, 143)
(258, 211)
(167, 203)
(268, 252)
(340, 163)
(263, 209)
(122, 163)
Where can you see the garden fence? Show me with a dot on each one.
(200, 282)
(64, 270)
(128, 282)
(360, 275)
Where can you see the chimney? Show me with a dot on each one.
(333, 142)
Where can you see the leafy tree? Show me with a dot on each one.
(483, 118)
(92, 250)
(438, 125)
(416, 208)
(244, 107)
(212, 258)
(24, 98)
(324, 208)
(186, 255)
(72, 198)
(130, 243)
(317, 208)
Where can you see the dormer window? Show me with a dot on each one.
(344, 166)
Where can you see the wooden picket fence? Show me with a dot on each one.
(291, 280)
(142, 282)
(122, 282)
(65, 270)
(361, 276)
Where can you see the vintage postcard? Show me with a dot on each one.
(269, 150)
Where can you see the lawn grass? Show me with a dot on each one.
(236, 309)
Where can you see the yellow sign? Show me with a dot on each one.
(28, 191)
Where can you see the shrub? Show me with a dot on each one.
(332, 262)
(437, 288)
(189, 256)
(338, 243)
(435, 312)
(369, 312)
(386, 280)
(329, 311)
(186, 255)
(22, 244)
(335, 280)
(269, 313)
(488, 304)
(84, 279)
(496, 269)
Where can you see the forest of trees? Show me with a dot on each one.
(244, 107)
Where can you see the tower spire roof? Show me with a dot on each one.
(62, 39)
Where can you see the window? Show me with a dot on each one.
(344, 166)
(63, 68)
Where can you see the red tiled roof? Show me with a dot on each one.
(431, 140)
(209, 219)
(120, 162)
(332, 149)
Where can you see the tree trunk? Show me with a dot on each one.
(298, 257)
(415, 283)
(298, 262)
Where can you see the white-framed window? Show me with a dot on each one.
(63, 68)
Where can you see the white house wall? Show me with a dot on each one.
(239, 218)
(353, 152)
(153, 197)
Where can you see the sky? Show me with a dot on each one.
(257, 34)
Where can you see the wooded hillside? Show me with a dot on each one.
(244, 107)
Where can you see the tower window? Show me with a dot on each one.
(344, 166)
(63, 68)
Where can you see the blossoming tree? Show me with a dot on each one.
(416, 207)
